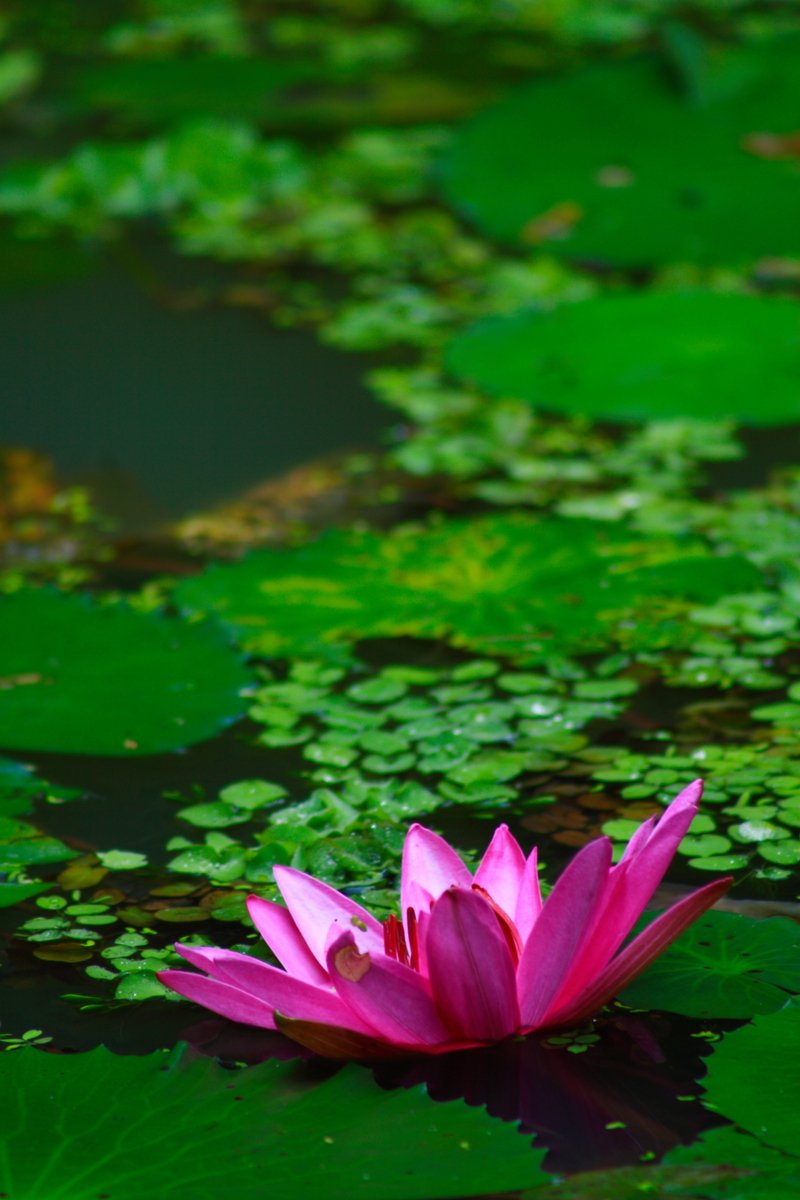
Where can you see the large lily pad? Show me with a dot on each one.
(615, 162)
(753, 1077)
(105, 679)
(643, 356)
(725, 965)
(493, 583)
(94, 1124)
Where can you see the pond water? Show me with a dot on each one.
(164, 409)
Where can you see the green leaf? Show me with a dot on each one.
(251, 793)
(613, 162)
(211, 1132)
(767, 1050)
(15, 893)
(720, 863)
(215, 815)
(122, 860)
(644, 356)
(725, 965)
(704, 845)
(574, 580)
(106, 679)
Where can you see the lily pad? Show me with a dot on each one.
(105, 679)
(725, 965)
(614, 162)
(212, 1132)
(642, 356)
(15, 893)
(524, 579)
(768, 1049)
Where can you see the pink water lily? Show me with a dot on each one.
(474, 960)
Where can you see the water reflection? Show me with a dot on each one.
(628, 1096)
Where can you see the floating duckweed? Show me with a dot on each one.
(752, 798)
(443, 722)
(380, 690)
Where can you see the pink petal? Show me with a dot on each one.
(502, 869)
(470, 967)
(638, 955)
(315, 908)
(270, 986)
(667, 831)
(631, 885)
(430, 867)
(341, 1045)
(529, 900)
(277, 928)
(221, 998)
(557, 935)
(393, 999)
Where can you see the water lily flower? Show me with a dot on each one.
(474, 960)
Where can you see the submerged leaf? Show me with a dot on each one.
(495, 583)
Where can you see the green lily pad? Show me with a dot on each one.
(105, 679)
(211, 1132)
(755, 832)
(705, 845)
(526, 578)
(720, 863)
(642, 356)
(783, 854)
(767, 1049)
(214, 815)
(613, 162)
(252, 793)
(725, 965)
(15, 893)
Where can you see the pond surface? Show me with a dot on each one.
(166, 409)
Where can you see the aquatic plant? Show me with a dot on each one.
(474, 959)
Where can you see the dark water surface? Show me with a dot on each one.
(164, 411)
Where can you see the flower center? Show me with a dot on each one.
(394, 940)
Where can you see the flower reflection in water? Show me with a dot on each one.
(631, 1095)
